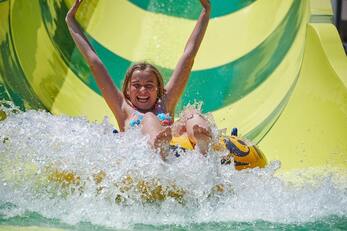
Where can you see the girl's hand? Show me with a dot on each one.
(74, 8)
(206, 4)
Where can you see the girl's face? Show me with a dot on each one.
(143, 89)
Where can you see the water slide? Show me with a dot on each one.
(276, 70)
(272, 69)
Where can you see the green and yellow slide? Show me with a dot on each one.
(280, 79)
(274, 69)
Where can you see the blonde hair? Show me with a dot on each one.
(142, 66)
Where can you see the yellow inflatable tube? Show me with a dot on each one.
(242, 153)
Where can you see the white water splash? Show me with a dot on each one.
(34, 144)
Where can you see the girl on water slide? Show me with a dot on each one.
(144, 100)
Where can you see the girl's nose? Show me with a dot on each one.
(143, 88)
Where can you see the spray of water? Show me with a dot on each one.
(77, 171)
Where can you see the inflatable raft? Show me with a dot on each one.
(242, 154)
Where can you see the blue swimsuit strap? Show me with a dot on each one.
(139, 117)
(163, 116)
(137, 121)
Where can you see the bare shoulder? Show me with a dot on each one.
(126, 109)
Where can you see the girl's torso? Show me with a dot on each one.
(135, 117)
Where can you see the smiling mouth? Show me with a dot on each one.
(142, 99)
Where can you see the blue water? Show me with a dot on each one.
(34, 144)
(326, 223)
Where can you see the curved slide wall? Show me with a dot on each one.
(312, 130)
(249, 70)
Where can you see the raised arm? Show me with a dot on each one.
(179, 78)
(112, 95)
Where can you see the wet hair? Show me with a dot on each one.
(143, 66)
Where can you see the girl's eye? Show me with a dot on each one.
(137, 86)
(149, 87)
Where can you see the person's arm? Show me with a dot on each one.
(179, 78)
(112, 95)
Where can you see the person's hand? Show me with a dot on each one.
(74, 8)
(206, 4)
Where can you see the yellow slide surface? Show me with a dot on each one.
(312, 130)
(281, 80)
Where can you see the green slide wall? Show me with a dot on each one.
(281, 80)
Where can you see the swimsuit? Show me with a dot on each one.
(137, 119)
(165, 119)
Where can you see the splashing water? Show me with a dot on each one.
(75, 171)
